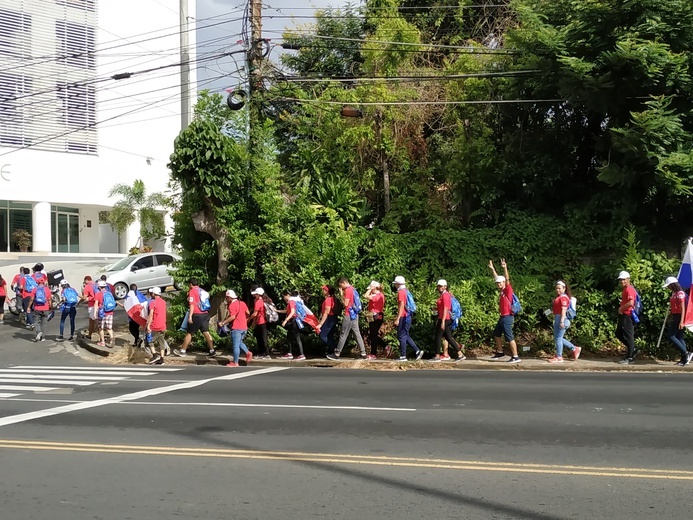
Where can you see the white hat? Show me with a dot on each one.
(669, 281)
(399, 280)
(260, 291)
(623, 275)
(101, 283)
(442, 283)
(561, 283)
(155, 290)
(499, 279)
(373, 284)
(231, 294)
(63, 282)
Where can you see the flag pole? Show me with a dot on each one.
(661, 332)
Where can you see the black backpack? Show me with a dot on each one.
(338, 308)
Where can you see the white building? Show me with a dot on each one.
(68, 130)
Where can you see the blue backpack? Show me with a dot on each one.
(204, 304)
(40, 297)
(515, 305)
(571, 312)
(71, 296)
(300, 314)
(455, 312)
(109, 303)
(29, 283)
(637, 308)
(357, 302)
(411, 304)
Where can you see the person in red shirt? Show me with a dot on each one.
(40, 302)
(291, 325)
(198, 320)
(258, 320)
(238, 318)
(26, 299)
(156, 326)
(105, 317)
(376, 306)
(559, 308)
(3, 296)
(677, 310)
(89, 291)
(504, 327)
(625, 330)
(350, 321)
(328, 318)
(444, 323)
(16, 287)
(403, 321)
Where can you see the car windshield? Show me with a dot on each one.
(120, 264)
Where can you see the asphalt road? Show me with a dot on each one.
(215, 443)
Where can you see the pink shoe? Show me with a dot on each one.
(371, 357)
(288, 356)
(232, 364)
(556, 359)
(101, 344)
(300, 358)
(576, 353)
(248, 358)
(445, 358)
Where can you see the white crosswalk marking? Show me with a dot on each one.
(49, 378)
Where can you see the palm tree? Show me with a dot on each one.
(136, 204)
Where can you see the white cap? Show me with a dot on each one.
(373, 284)
(101, 283)
(155, 290)
(623, 275)
(442, 283)
(499, 279)
(561, 283)
(231, 294)
(399, 280)
(669, 281)
(63, 282)
(260, 291)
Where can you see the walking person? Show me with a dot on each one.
(156, 326)
(444, 323)
(198, 319)
(68, 307)
(89, 291)
(15, 286)
(293, 330)
(134, 295)
(27, 284)
(3, 297)
(238, 318)
(376, 307)
(625, 330)
(258, 320)
(350, 320)
(403, 320)
(677, 318)
(504, 327)
(104, 305)
(329, 314)
(559, 308)
(40, 301)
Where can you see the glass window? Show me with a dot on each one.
(78, 105)
(15, 33)
(144, 262)
(164, 259)
(76, 43)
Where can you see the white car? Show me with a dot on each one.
(146, 270)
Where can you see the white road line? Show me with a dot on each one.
(76, 372)
(304, 406)
(27, 388)
(47, 381)
(108, 368)
(5, 396)
(68, 376)
(59, 410)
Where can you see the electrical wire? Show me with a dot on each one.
(404, 103)
(360, 79)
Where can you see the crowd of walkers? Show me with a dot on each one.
(338, 319)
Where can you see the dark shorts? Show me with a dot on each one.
(200, 323)
(504, 327)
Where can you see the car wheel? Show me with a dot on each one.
(121, 290)
(176, 286)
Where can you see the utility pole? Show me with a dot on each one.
(255, 55)
(383, 159)
(185, 65)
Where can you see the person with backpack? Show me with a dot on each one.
(198, 319)
(3, 297)
(350, 319)
(405, 309)
(238, 319)
(68, 306)
(625, 329)
(677, 318)
(40, 302)
(258, 320)
(89, 291)
(27, 285)
(444, 323)
(292, 327)
(506, 303)
(563, 309)
(156, 327)
(376, 307)
(105, 304)
(330, 310)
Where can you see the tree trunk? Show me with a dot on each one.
(206, 222)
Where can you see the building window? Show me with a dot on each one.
(76, 44)
(13, 122)
(84, 5)
(78, 105)
(15, 33)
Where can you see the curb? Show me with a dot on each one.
(92, 347)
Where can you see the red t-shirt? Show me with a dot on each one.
(444, 306)
(506, 300)
(98, 298)
(677, 300)
(328, 302)
(194, 298)
(628, 294)
(89, 294)
(3, 291)
(15, 280)
(291, 308)
(157, 308)
(561, 302)
(377, 303)
(259, 309)
(402, 297)
(348, 295)
(47, 293)
(239, 309)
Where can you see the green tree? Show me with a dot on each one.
(136, 204)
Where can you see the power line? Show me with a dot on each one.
(404, 103)
(358, 79)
